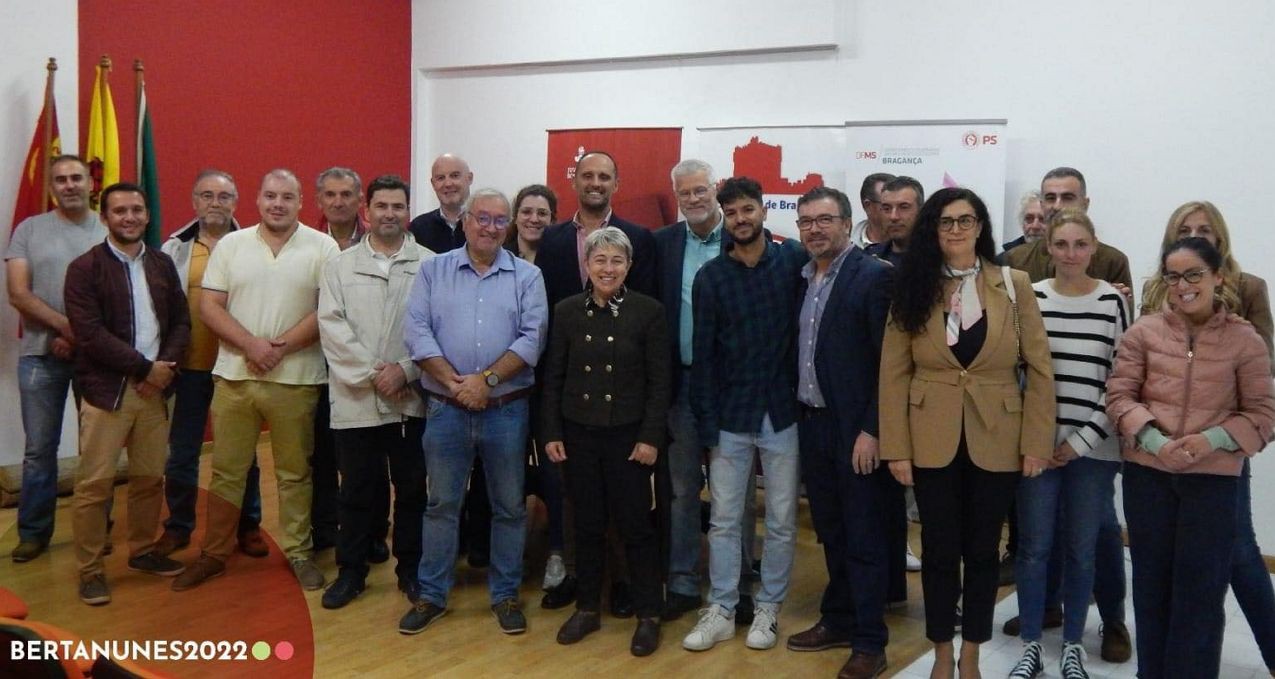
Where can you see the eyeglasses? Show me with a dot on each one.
(1172, 278)
(966, 222)
(486, 220)
(210, 197)
(697, 192)
(824, 221)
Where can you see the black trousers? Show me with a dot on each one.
(325, 503)
(962, 510)
(603, 485)
(849, 511)
(362, 454)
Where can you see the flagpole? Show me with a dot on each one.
(140, 71)
(43, 169)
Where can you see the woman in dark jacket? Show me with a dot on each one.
(605, 400)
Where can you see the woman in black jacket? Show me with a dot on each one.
(605, 400)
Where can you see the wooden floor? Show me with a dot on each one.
(362, 639)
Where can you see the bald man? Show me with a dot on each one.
(440, 230)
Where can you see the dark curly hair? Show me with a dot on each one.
(919, 283)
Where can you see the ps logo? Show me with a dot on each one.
(970, 140)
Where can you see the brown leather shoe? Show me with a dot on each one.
(862, 666)
(252, 544)
(169, 542)
(817, 638)
(205, 568)
(1117, 647)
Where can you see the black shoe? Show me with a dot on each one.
(621, 600)
(344, 590)
(410, 587)
(1005, 574)
(1052, 620)
(744, 611)
(323, 538)
(509, 616)
(154, 564)
(422, 615)
(378, 552)
(561, 596)
(580, 625)
(679, 604)
(646, 638)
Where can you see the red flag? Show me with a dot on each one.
(34, 196)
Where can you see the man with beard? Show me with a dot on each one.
(260, 295)
(375, 415)
(743, 394)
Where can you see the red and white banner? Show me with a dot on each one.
(643, 156)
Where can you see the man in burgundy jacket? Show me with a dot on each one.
(127, 309)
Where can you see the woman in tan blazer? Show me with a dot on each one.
(954, 418)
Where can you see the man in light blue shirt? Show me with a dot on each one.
(476, 325)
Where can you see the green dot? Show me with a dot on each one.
(261, 650)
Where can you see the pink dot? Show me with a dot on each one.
(283, 650)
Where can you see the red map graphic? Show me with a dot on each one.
(763, 161)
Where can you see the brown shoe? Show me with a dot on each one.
(204, 568)
(252, 544)
(862, 666)
(169, 542)
(1117, 647)
(817, 638)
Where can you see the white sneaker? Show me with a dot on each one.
(764, 631)
(914, 561)
(1072, 663)
(555, 572)
(714, 625)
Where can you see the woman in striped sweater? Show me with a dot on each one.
(1084, 318)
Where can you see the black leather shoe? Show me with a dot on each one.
(621, 600)
(580, 625)
(561, 596)
(341, 592)
(378, 552)
(744, 611)
(646, 638)
(679, 604)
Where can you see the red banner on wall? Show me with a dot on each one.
(644, 157)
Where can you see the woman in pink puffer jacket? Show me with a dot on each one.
(1190, 395)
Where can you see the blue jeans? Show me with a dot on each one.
(191, 399)
(43, 383)
(453, 437)
(1181, 536)
(1249, 578)
(1059, 512)
(1109, 588)
(686, 469)
(730, 481)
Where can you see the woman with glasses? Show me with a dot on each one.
(1250, 579)
(1063, 507)
(954, 420)
(1191, 398)
(606, 397)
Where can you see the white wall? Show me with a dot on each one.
(31, 33)
(1158, 103)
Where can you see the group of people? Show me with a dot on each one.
(485, 350)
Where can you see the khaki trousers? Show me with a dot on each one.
(141, 424)
(239, 407)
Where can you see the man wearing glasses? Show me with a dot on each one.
(475, 326)
(215, 198)
(900, 202)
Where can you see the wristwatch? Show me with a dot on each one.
(491, 378)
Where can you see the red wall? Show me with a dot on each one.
(247, 86)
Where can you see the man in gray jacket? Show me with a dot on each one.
(375, 413)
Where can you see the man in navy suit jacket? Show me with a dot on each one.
(841, 325)
(562, 247)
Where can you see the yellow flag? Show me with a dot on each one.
(102, 151)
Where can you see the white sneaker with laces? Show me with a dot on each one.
(914, 562)
(764, 632)
(555, 572)
(714, 625)
(1072, 663)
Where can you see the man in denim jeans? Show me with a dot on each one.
(39, 252)
(475, 326)
(743, 395)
